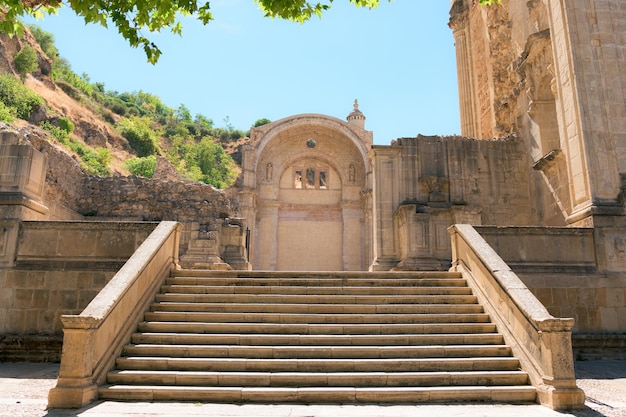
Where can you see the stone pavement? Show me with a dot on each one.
(24, 390)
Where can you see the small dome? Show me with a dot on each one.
(356, 117)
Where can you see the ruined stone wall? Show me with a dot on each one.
(488, 81)
(487, 175)
(71, 194)
(150, 200)
(423, 185)
(552, 72)
(196, 205)
(63, 175)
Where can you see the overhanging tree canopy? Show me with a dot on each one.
(133, 18)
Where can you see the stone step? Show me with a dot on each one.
(318, 365)
(318, 282)
(320, 308)
(318, 379)
(317, 299)
(303, 290)
(312, 395)
(308, 340)
(315, 275)
(344, 318)
(348, 337)
(316, 352)
(316, 329)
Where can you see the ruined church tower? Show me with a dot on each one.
(552, 72)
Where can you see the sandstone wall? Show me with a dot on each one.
(562, 268)
(196, 205)
(59, 268)
(423, 185)
(486, 175)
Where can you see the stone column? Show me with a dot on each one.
(459, 23)
(590, 110)
(368, 228)
(386, 161)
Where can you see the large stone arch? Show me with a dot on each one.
(305, 193)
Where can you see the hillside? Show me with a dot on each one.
(115, 133)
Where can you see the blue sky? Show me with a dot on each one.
(397, 60)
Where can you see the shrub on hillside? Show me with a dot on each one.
(66, 124)
(25, 62)
(142, 167)
(141, 137)
(61, 135)
(7, 115)
(95, 162)
(14, 95)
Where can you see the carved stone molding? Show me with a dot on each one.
(548, 160)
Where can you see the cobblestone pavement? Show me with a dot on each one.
(24, 390)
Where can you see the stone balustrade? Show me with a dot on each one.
(540, 341)
(95, 337)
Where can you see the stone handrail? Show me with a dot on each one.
(94, 338)
(541, 342)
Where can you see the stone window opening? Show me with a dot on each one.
(310, 178)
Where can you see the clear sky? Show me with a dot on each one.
(397, 60)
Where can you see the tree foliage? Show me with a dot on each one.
(140, 134)
(261, 122)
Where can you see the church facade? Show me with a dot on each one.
(538, 170)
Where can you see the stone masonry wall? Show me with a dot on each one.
(483, 174)
(59, 269)
(150, 200)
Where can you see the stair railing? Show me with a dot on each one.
(93, 339)
(540, 341)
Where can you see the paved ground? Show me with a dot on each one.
(24, 389)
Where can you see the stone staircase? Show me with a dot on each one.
(245, 336)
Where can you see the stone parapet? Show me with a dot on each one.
(95, 337)
(58, 268)
(540, 341)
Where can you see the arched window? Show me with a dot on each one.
(310, 177)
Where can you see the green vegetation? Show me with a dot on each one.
(261, 122)
(20, 100)
(204, 160)
(25, 62)
(143, 167)
(7, 114)
(193, 144)
(140, 134)
(95, 162)
(66, 124)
